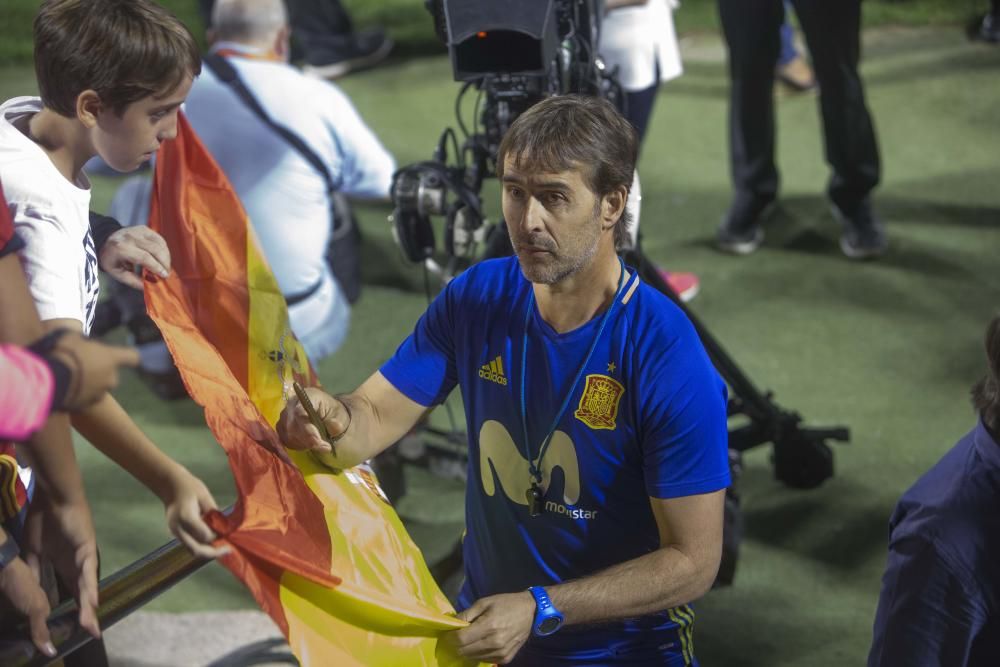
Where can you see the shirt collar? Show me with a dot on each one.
(987, 447)
(244, 49)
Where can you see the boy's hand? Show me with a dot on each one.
(133, 248)
(63, 534)
(19, 586)
(189, 500)
(94, 366)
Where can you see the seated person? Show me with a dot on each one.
(286, 197)
(940, 600)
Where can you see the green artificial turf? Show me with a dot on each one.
(887, 348)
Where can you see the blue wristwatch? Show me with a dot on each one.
(548, 619)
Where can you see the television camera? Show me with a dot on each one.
(512, 54)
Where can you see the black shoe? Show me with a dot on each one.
(989, 30)
(864, 234)
(740, 232)
(367, 49)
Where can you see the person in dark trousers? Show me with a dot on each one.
(330, 47)
(832, 32)
(940, 599)
(989, 27)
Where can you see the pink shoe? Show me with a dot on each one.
(685, 285)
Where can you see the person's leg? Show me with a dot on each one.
(989, 30)
(751, 31)
(639, 107)
(320, 17)
(788, 51)
(832, 31)
(330, 45)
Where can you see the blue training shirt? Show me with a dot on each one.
(647, 418)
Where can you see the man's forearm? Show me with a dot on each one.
(368, 432)
(379, 416)
(656, 581)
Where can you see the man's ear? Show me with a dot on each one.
(282, 44)
(613, 206)
(88, 108)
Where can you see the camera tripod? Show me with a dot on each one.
(802, 458)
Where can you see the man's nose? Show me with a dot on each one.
(532, 219)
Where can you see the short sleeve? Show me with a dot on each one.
(684, 431)
(365, 167)
(424, 368)
(9, 241)
(50, 258)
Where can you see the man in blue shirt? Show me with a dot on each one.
(940, 600)
(597, 425)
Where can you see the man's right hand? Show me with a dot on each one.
(298, 432)
(94, 366)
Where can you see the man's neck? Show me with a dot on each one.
(63, 139)
(577, 299)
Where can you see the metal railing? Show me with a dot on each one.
(121, 594)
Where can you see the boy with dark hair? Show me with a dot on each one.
(112, 75)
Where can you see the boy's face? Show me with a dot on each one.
(126, 141)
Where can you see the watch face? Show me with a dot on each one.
(549, 625)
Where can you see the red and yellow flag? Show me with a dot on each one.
(323, 553)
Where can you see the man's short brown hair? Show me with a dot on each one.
(571, 132)
(124, 50)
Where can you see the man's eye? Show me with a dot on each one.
(554, 198)
(514, 193)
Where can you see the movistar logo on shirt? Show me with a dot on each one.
(493, 372)
(499, 454)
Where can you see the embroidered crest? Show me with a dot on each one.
(599, 404)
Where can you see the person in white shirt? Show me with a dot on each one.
(639, 45)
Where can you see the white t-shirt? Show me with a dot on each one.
(52, 216)
(284, 196)
(640, 40)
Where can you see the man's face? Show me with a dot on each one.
(126, 141)
(554, 221)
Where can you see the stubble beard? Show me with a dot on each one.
(555, 268)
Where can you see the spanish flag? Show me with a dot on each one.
(323, 553)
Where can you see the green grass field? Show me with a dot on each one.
(888, 348)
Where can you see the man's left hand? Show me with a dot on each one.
(132, 248)
(500, 624)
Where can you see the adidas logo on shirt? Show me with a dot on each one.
(493, 372)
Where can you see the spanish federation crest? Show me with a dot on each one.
(598, 407)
